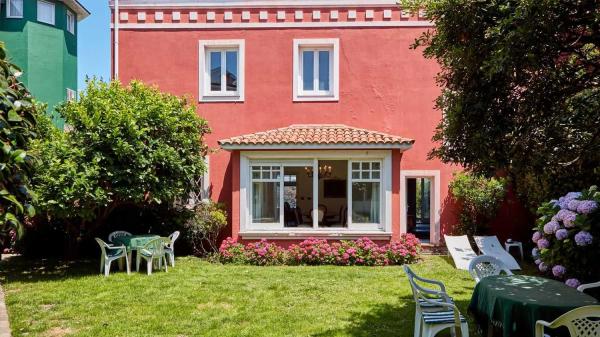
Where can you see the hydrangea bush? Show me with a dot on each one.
(567, 237)
(313, 251)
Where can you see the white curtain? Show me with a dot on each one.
(375, 196)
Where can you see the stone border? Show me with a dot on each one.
(4, 326)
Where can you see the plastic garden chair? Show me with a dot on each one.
(170, 247)
(152, 250)
(117, 234)
(583, 287)
(434, 309)
(577, 321)
(486, 265)
(489, 245)
(110, 254)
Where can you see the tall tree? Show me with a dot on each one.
(125, 145)
(520, 90)
(18, 116)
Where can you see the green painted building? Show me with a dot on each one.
(41, 38)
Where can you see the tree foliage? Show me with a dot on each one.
(124, 145)
(18, 118)
(520, 90)
(202, 229)
(478, 198)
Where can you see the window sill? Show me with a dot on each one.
(323, 234)
(221, 99)
(333, 98)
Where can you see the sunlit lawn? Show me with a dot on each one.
(197, 298)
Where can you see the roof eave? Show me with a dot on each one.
(78, 8)
(252, 147)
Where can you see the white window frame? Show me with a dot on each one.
(434, 201)
(9, 14)
(71, 94)
(352, 180)
(50, 4)
(311, 158)
(333, 46)
(71, 22)
(205, 92)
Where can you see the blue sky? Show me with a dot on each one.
(93, 39)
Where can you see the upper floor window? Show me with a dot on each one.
(70, 22)
(222, 70)
(14, 8)
(71, 94)
(316, 69)
(45, 12)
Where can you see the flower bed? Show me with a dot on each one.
(312, 251)
(566, 237)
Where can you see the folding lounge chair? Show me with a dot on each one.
(460, 250)
(489, 245)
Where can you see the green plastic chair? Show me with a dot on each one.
(152, 250)
(577, 321)
(110, 254)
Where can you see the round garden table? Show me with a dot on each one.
(516, 302)
(134, 242)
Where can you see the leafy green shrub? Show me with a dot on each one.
(204, 226)
(567, 237)
(478, 198)
(125, 146)
(18, 119)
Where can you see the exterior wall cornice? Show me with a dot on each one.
(252, 3)
(238, 18)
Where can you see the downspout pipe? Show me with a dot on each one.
(116, 41)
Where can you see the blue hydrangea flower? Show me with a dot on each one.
(558, 271)
(567, 217)
(543, 243)
(543, 267)
(587, 206)
(583, 238)
(572, 205)
(535, 253)
(573, 283)
(561, 234)
(536, 236)
(551, 227)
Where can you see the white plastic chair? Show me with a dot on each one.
(583, 287)
(434, 309)
(577, 321)
(486, 265)
(489, 245)
(110, 254)
(152, 250)
(170, 247)
(117, 234)
(460, 250)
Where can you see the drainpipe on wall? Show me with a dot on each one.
(116, 41)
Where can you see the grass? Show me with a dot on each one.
(197, 298)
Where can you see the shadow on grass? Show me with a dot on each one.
(20, 269)
(390, 321)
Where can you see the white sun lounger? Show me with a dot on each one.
(460, 250)
(489, 245)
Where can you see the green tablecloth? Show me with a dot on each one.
(134, 242)
(518, 301)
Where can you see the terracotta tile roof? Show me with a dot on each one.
(317, 135)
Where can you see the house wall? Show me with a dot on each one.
(47, 54)
(384, 86)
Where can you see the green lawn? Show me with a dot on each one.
(198, 298)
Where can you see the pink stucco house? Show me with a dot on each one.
(322, 115)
